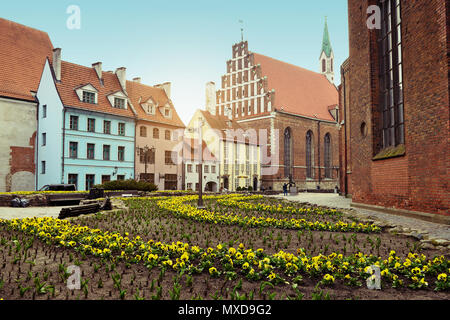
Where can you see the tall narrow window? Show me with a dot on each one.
(73, 150)
(107, 127)
(121, 154)
(90, 181)
(91, 125)
(143, 131)
(287, 153)
(327, 156)
(73, 123)
(391, 77)
(44, 139)
(106, 152)
(309, 155)
(155, 133)
(90, 151)
(121, 129)
(43, 167)
(44, 111)
(324, 65)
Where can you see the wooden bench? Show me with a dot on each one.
(85, 209)
(78, 210)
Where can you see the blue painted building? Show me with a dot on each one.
(86, 125)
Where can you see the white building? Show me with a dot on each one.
(192, 156)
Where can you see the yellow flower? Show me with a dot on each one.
(245, 266)
(442, 277)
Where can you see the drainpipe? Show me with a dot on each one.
(318, 151)
(63, 144)
(345, 136)
(36, 149)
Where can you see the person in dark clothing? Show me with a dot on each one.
(285, 189)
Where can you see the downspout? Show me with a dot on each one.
(318, 152)
(135, 149)
(345, 136)
(63, 144)
(36, 164)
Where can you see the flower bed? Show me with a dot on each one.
(166, 236)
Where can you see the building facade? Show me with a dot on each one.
(23, 52)
(86, 126)
(396, 98)
(293, 111)
(195, 156)
(159, 131)
(237, 151)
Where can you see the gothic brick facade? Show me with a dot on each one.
(275, 98)
(414, 173)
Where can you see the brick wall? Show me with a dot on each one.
(419, 180)
(299, 127)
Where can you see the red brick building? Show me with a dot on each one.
(394, 99)
(292, 110)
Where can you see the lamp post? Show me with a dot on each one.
(145, 152)
(200, 204)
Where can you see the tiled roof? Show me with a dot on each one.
(190, 150)
(74, 76)
(140, 93)
(231, 130)
(220, 122)
(23, 52)
(297, 90)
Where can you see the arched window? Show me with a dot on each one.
(327, 156)
(324, 65)
(143, 131)
(287, 152)
(309, 155)
(155, 133)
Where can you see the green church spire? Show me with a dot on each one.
(326, 45)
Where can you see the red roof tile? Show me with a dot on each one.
(74, 76)
(141, 93)
(297, 90)
(23, 52)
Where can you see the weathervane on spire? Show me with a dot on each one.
(241, 22)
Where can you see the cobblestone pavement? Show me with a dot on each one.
(431, 234)
(9, 213)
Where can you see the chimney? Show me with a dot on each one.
(137, 79)
(98, 69)
(166, 86)
(57, 63)
(211, 98)
(121, 74)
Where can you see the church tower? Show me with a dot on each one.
(327, 56)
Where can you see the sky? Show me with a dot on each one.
(185, 42)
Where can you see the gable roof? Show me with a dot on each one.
(298, 90)
(23, 52)
(141, 93)
(219, 122)
(74, 76)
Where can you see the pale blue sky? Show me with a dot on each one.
(186, 42)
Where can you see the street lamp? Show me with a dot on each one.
(145, 152)
(200, 204)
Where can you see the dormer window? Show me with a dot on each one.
(167, 111)
(89, 97)
(119, 103)
(149, 107)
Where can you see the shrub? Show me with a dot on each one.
(128, 185)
